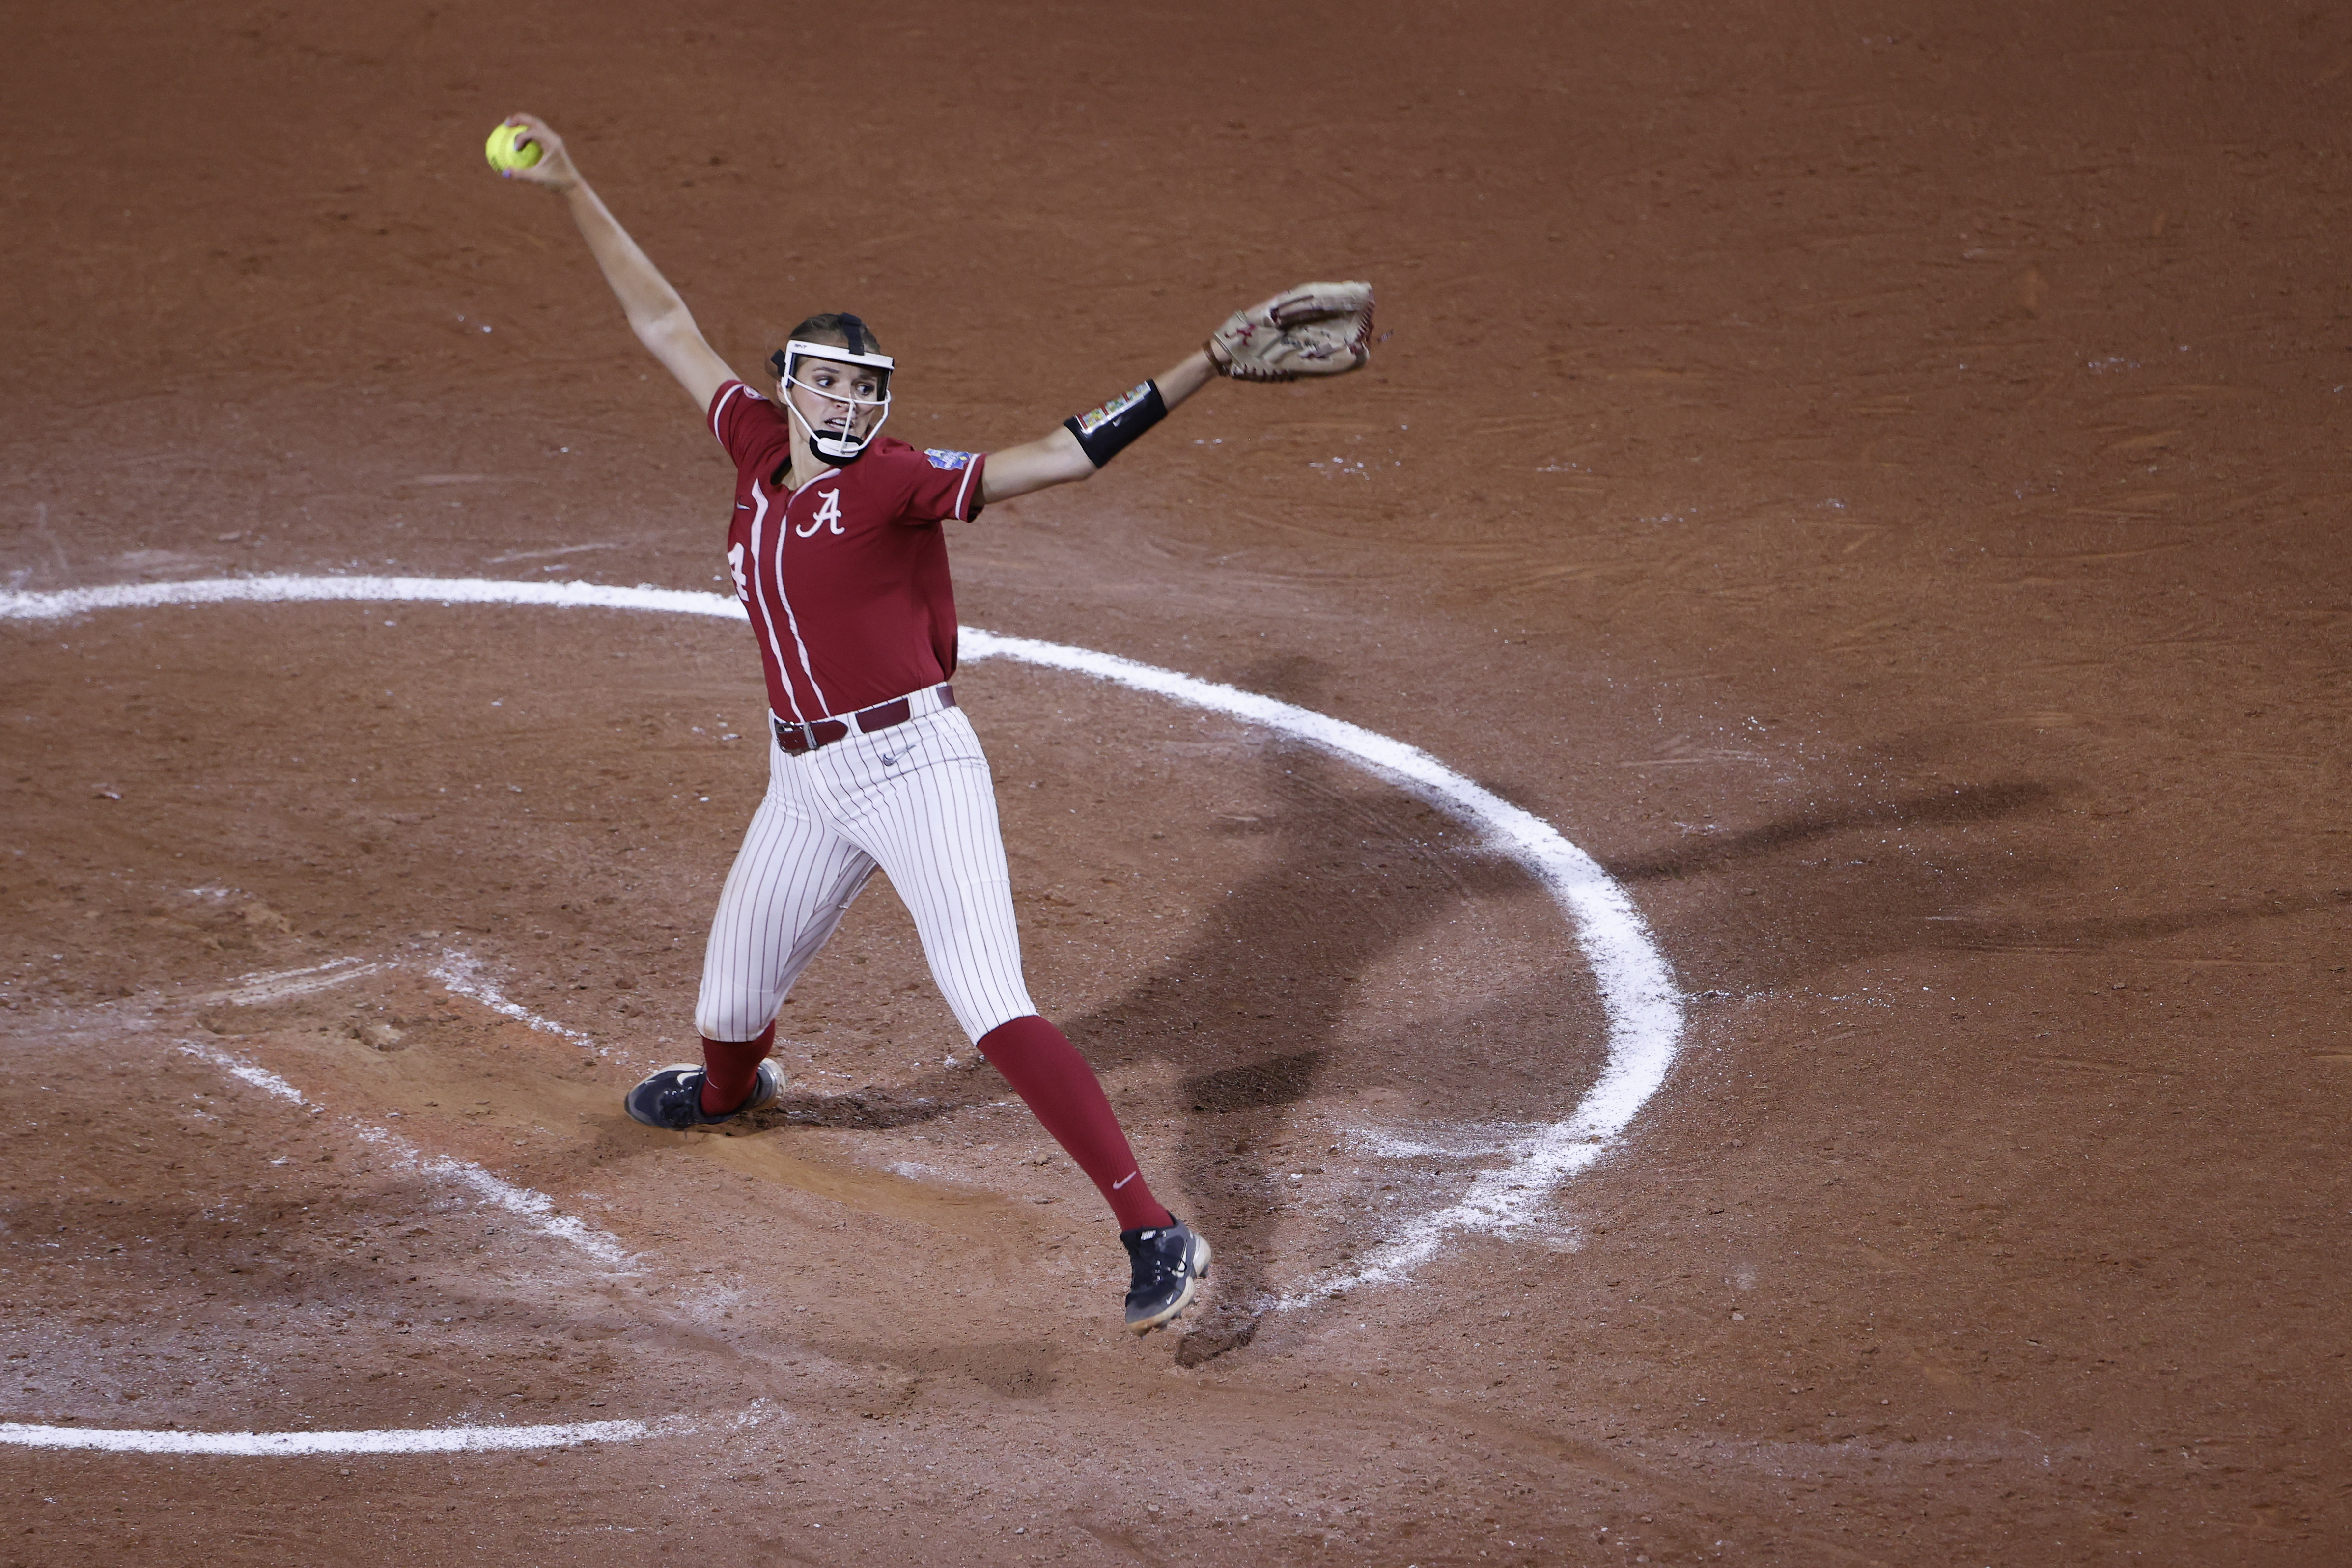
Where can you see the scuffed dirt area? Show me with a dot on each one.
(1872, 480)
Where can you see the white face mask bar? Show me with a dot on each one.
(842, 446)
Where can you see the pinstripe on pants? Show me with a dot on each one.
(916, 800)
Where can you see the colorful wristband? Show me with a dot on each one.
(1105, 431)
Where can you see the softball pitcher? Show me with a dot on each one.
(836, 548)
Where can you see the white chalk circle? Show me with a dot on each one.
(1637, 990)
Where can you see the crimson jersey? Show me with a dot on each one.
(845, 579)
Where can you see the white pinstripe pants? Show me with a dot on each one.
(916, 800)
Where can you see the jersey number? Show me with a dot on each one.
(828, 514)
(735, 565)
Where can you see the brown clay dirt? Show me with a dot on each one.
(1871, 475)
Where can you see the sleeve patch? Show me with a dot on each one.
(950, 461)
(1095, 418)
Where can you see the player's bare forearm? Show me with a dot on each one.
(656, 313)
(1059, 459)
(1193, 372)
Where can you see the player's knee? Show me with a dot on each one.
(735, 1014)
(981, 1011)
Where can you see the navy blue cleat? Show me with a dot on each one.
(672, 1097)
(1170, 1263)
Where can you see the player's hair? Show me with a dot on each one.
(835, 327)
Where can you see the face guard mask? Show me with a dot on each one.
(842, 447)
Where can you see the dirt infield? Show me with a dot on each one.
(1869, 477)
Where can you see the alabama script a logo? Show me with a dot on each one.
(828, 514)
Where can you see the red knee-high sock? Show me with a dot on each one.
(729, 1069)
(1046, 1070)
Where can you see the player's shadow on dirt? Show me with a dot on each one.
(1966, 803)
(1906, 874)
(1762, 907)
(1285, 948)
(2097, 932)
(1249, 1010)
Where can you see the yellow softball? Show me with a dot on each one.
(504, 155)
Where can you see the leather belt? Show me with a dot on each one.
(796, 738)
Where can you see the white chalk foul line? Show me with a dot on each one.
(1637, 989)
(534, 1208)
(394, 1440)
(461, 974)
(260, 1077)
(415, 1440)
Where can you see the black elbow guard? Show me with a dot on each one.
(1104, 432)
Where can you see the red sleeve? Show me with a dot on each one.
(748, 426)
(937, 485)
